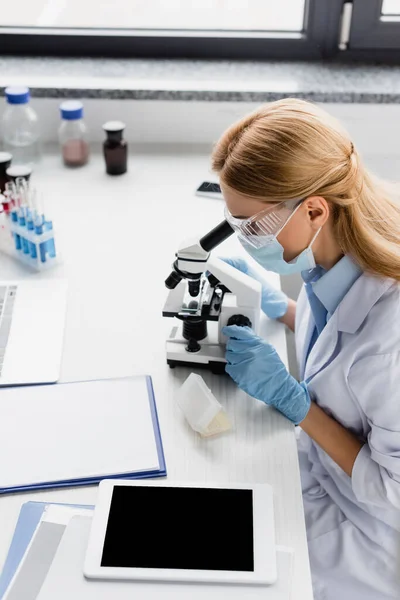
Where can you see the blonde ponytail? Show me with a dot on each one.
(293, 149)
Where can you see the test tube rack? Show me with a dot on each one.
(25, 233)
(35, 250)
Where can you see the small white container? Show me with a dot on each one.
(201, 408)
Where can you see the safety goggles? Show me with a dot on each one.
(267, 223)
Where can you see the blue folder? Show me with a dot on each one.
(161, 472)
(28, 520)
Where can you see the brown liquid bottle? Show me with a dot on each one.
(115, 148)
(73, 134)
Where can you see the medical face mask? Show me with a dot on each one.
(270, 254)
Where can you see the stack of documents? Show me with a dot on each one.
(79, 433)
(46, 558)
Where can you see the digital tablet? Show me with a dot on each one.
(157, 530)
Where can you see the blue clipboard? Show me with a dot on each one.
(161, 472)
(29, 517)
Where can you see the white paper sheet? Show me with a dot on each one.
(61, 515)
(75, 431)
(36, 562)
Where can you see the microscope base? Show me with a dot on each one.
(210, 356)
(217, 368)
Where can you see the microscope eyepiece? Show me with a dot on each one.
(216, 236)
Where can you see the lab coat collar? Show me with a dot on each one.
(323, 348)
(348, 318)
(304, 330)
(334, 284)
(359, 300)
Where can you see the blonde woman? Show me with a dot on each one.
(300, 200)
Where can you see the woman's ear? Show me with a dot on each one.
(318, 211)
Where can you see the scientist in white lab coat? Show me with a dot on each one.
(300, 200)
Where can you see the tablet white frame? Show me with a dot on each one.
(264, 540)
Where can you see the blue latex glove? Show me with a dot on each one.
(257, 369)
(273, 302)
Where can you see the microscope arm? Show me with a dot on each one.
(246, 289)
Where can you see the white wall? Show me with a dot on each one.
(374, 128)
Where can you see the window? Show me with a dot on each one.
(246, 29)
(391, 7)
(375, 24)
(184, 28)
(221, 15)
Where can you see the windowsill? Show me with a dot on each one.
(198, 80)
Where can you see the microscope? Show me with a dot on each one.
(205, 295)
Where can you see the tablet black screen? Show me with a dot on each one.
(180, 528)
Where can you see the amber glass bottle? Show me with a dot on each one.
(115, 148)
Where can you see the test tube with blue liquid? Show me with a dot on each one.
(47, 248)
(39, 231)
(38, 220)
(50, 245)
(30, 220)
(11, 193)
(23, 198)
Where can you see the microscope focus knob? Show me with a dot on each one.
(239, 320)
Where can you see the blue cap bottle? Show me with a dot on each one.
(72, 134)
(20, 127)
(17, 95)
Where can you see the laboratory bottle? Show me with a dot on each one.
(20, 128)
(15, 171)
(5, 162)
(72, 134)
(115, 148)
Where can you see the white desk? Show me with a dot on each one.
(118, 237)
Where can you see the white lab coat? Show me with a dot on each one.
(353, 373)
